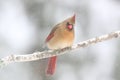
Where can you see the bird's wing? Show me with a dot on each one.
(51, 33)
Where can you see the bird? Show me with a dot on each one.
(61, 36)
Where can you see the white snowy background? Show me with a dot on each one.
(24, 25)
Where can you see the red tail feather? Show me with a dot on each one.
(51, 65)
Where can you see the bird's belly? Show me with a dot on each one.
(58, 44)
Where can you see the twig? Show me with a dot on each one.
(49, 53)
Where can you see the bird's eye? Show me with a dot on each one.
(69, 26)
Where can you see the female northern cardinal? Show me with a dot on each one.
(61, 36)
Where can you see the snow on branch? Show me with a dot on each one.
(49, 53)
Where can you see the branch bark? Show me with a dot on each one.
(49, 53)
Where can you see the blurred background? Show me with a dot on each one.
(24, 25)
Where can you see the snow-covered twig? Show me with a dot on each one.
(50, 53)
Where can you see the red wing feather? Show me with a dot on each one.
(49, 37)
(51, 33)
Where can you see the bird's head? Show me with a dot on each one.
(68, 24)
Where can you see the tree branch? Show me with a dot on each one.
(49, 53)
